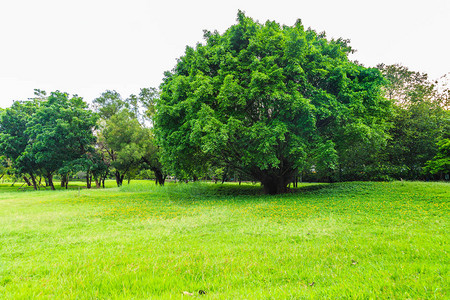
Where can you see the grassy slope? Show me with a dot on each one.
(349, 240)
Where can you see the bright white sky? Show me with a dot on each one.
(87, 46)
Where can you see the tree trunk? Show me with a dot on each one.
(88, 179)
(103, 181)
(160, 177)
(119, 179)
(63, 181)
(27, 180)
(97, 183)
(33, 180)
(50, 181)
(274, 187)
(275, 181)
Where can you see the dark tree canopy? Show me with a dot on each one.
(263, 99)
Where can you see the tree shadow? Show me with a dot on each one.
(312, 187)
(227, 190)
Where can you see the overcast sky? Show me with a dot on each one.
(87, 46)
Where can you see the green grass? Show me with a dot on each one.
(338, 241)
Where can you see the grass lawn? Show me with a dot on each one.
(340, 241)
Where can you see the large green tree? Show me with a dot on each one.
(263, 99)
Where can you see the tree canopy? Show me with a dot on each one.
(14, 138)
(60, 132)
(47, 133)
(263, 99)
(420, 119)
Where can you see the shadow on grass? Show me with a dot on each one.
(226, 190)
(215, 190)
(311, 187)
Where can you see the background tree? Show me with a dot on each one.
(126, 137)
(99, 167)
(143, 105)
(420, 119)
(14, 137)
(440, 164)
(262, 99)
(123, 138)
(5, 167)
(151, 158)
(109, 104)
(361, 148)
(60, 131)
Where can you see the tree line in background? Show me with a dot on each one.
(60, 135)
(261, 102)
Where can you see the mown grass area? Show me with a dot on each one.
(339, 241)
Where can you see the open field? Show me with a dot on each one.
(345, 240)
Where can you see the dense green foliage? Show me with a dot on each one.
(47, 134)
(126, 139)
(440, 164)
(60, 135)
(60, 132)
(14, 139)
(338, 241)
(268, 100)
(421, 119)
